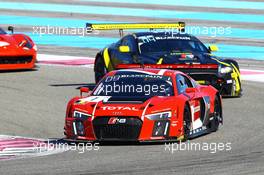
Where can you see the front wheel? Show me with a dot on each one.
(236, 82)
(234, 91)
(217, 118)
(187, 122)
(99, 69)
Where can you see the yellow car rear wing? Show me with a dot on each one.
(122, 26)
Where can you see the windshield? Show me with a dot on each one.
(127, 83)
(151, 43)
(2, 31)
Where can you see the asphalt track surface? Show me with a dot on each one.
(33, 105)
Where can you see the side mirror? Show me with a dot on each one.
(84, 90)
(213, 48)
(11, 29)
(124, 49)
(190, 90)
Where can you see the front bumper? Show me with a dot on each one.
(227, 85)
(134, 129)
(17, 62)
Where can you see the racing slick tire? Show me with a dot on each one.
(233, 91)
(217, 117)
(186, 122)
(99, 69)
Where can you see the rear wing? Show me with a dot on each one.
(122, 26)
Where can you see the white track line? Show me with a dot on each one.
(47, 57)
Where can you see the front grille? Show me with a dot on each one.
(15, 59)
(128, 130)
(198, 71)
(208, 78)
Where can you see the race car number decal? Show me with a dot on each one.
(95, 99)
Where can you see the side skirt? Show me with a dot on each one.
(199, 132)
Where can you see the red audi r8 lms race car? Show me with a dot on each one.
(144, 105)
(17, 51)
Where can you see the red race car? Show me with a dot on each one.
(144, 105)
(17, 51)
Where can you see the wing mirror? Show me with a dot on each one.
(124, 49)
(11, 29)
(190, 90)
(84, 90)
(213, 48)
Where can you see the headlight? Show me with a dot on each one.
(225, 70)
(3, 43)
(159, 116)
(80, 115)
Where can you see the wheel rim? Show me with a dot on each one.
(187, 123)
(234, 88)
(217, 111)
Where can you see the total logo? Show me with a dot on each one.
(119, 108)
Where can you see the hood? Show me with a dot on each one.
(177, 58)
(8, 41)
(122, 106)
(13, 44)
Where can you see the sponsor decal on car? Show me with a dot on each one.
(116, 120)
(119, 108)
(95, 99)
